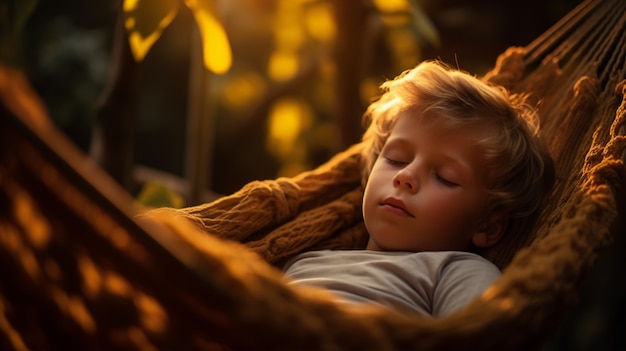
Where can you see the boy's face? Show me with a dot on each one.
(427, 190)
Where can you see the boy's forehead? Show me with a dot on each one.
(410, 121)
(407, 127)
(439, 123)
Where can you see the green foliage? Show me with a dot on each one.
(155, 195)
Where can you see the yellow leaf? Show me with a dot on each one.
(145, 20)
(215, 46)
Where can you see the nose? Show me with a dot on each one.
(405, 181)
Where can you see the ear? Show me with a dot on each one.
(491, 231)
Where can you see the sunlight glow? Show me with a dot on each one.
(287, 119)
(130, 5)
(392, 5)
(283, 65)
(289, 36)
(243, 90)
(320, 22)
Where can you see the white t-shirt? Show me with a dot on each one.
(429, 283)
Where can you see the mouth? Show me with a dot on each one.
(396, 206)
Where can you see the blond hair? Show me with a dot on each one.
(520, 171)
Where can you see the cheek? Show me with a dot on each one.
(375, 180)
(459, 209)
(369, 194)
(371, 197)
(468, 211)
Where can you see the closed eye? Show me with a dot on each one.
(445, 182)
(394, 162)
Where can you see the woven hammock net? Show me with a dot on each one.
(82, 268)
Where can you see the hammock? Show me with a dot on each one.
(82, 268)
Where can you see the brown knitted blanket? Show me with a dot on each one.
(83, 269)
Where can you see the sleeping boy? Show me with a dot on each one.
(450, 166)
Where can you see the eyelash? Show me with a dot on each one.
(394, 162)
(445, 181)
(439, 178)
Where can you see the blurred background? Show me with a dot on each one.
(301, 74)
(289, 83)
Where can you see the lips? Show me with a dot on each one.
(396, 206)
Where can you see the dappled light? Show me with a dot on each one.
(226, 63)
(393, 5)
(289, 37)
(217, 69)
(283, 65)
(243, 90)
(319, 21)
(288, 118)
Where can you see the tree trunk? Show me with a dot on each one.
(351, 21)
(113, 140)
